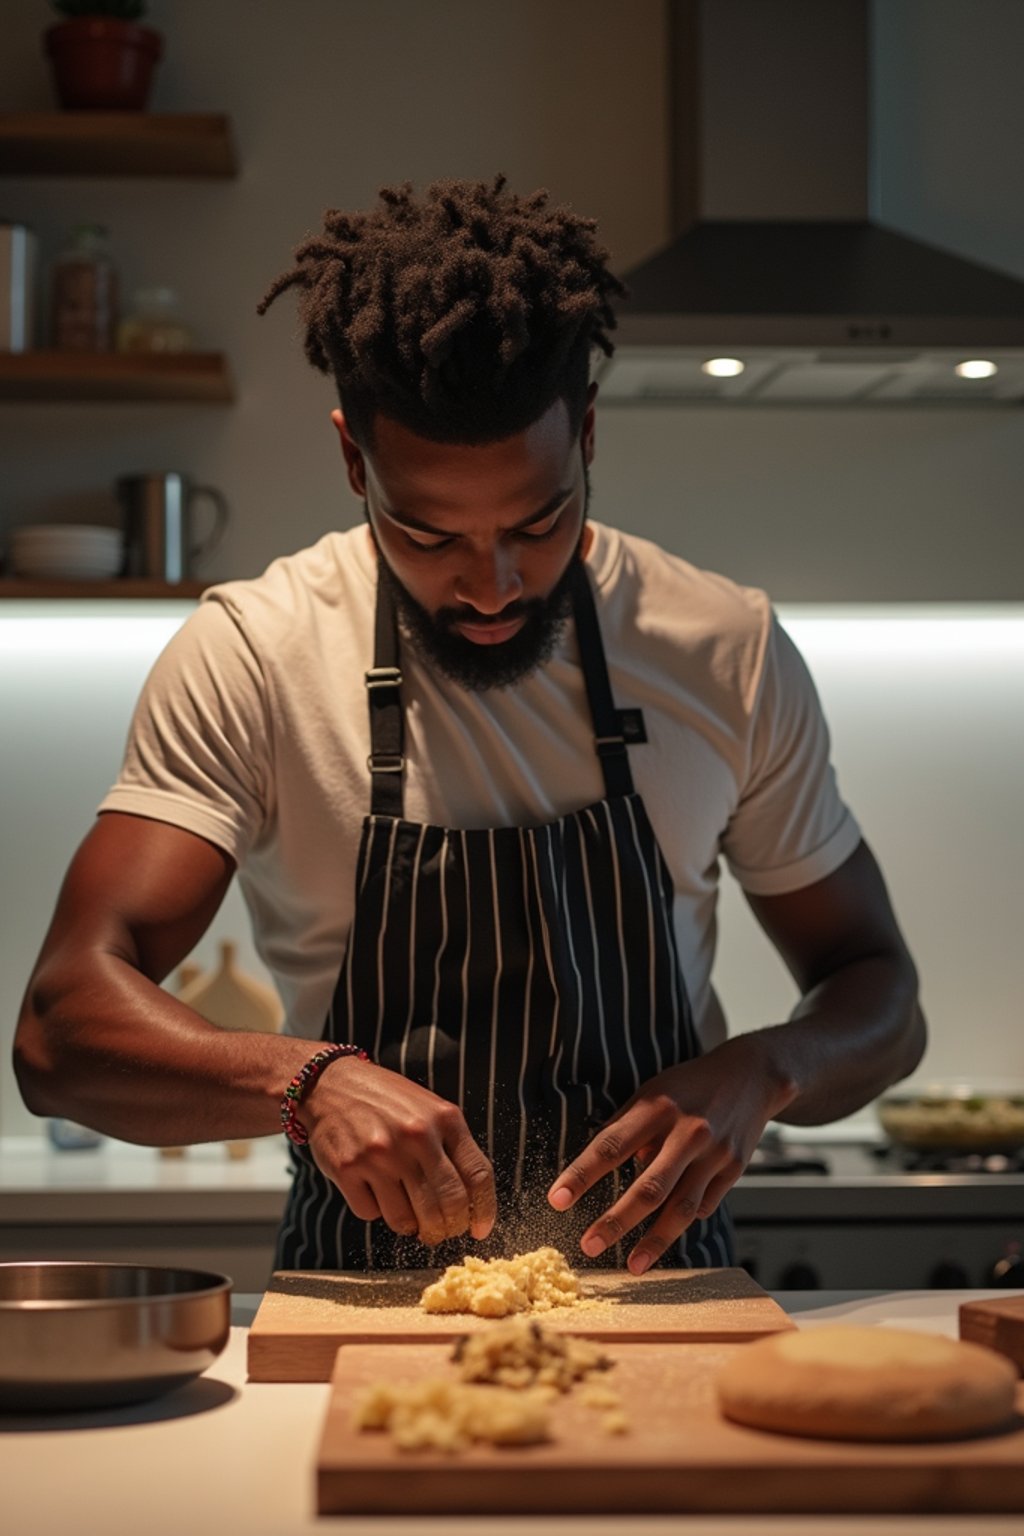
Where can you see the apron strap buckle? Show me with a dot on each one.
(386, 762)
(384, 677)
(609, 746)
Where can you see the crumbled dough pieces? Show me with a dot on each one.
(529, 1282)
(519, 1353)
(449, 1415)
(508, 1378)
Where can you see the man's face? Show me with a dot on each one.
(476, 543)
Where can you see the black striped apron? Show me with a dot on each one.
(527, 974)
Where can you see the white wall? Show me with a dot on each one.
(926, 709)
(824, 505)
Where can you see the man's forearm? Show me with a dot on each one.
(100, 1043)
(847, 1040)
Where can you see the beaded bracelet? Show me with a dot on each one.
(300, 1083)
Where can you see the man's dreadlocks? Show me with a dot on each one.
(463, 316)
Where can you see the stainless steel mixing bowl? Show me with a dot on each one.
(87, 1335)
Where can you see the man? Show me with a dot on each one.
(476, 764)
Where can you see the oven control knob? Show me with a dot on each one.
(948, 1276)
(799, 1276)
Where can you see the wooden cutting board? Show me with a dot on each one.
(305, 1316)
(998, 1324)
(680, 1456)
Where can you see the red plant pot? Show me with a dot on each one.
(102, 64)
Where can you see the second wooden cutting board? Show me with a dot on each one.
(305, 1316)
(679, 1455)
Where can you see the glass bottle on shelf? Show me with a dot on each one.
(84, 293)
(153, 323)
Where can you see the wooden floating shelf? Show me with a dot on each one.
(116, 144)
(125, 376)
(24, 587)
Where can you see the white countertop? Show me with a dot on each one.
(122, 1182)
(119, 1178)
(222, 1457)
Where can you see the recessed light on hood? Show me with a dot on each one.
(723, 367)
(777, 265)
(977, 368)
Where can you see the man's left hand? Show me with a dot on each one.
(692, 1130)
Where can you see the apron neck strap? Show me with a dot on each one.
(384, 694)
(609, 742)
(384, 684)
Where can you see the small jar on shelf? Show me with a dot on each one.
(153, 324)
(84, 293)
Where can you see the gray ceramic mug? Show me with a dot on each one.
(157, 514)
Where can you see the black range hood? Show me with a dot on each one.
(773, 96)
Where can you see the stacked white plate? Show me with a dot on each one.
(66, 551)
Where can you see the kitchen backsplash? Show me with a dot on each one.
(926, 707)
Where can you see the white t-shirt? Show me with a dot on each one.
(252, 731)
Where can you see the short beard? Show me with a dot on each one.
(480, 667)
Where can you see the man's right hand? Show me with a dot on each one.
(398, 1151)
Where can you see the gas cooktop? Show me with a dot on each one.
(947, 1160)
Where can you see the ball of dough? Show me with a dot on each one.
(861, 1383)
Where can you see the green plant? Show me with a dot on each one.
(124, 10)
